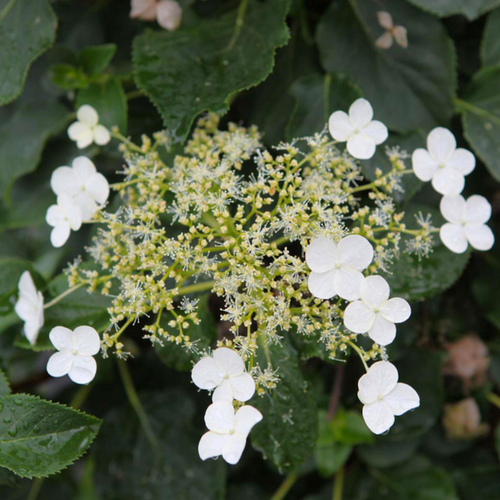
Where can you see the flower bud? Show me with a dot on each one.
(169, 14)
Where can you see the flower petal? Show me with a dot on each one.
(27, 286)
(85, 139)
(86, 341)
(358, 317)
(462, 160)
(243, 387)
(83, 370)
(384, 41)
(144, 9)
(77, 130)
(441, 144)
(322, 285)
(361, 146)
(72, 212)
(346, 282)
(453, 208)
(453, 236)
(374, 291)
(377, 131)
(101, 135)
(61, 338)
(423, 164)
(212, 444)
(340, 126)
(480, 236)
(169, 14)
(229, 361)
(360, 113)
(223, 392)
(65, 181)
(87, 115)
(478, 210)
(55, 216)
(60, 364)
(246, 417)
(98, 187)
(378, 417)
(206, 374)
(380, 380)
(59, 235)
(233, 449)
(448, 181)
(83, 168)
(396, 310)
(321, 255)
(402, 399)
(219, 417)
(355, 251)
(401, 36)
(385, 20)
(383, 331)
(87, 205)
(32, 329)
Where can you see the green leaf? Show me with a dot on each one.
(97, 58)
(485, 295)
(408, 88)
(350, 428)
(23, 137)
(481, 117)
(415, 279)
(4, 384)
(27, 29)
(198, 69)
(130, 468)
(316, 98)
(203, 335)
(471, 9)
(330, 457)
(109, 101)
(39, 438)
(481, 482)
(68, 77)
(490, 46)
(10, 272)
(288, 432)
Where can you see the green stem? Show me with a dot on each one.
(359, 352)
(197, 287)
(135, 94)
(7, 9)
(239, 24)
(285, 487)
(493, 399)
(467, 106)
(35, 488)
(67, 292)
(338, 485)
(136, 404)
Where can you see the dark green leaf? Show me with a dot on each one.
(27, 29)
(469, 8)
(287, 434)
(479, 483)
(408, 88)
(10, 272)
(331, 457)
(4, 384)
(109, 101)
(68, 77)
(96, 59)
(490, 47)
(199, 69)
(23, 137)
(39, 438)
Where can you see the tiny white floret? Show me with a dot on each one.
(228, 431)
(225, 372)
(383, 397)
(63, 217)
(397, 33)
(336, 268)
(443, 163)
(29, 307)
(75, 353)
(87, 129)
(375, 313)
(83, 183)
(466, 223)
(357, 128)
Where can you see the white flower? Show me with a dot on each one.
(466, 223)
(168, 13)
(83, 183)
(76, 349)
(336, 268)
(359, 130)
(383, 397)
(87, 130)
(443, 162)
(224, 372)
(29, 307)
(392, 32)
(375, 313)
(228, 432)
(63, 217)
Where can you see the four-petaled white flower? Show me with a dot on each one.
(383, 397)
(225, 372)
(392, 32)
(76, 349)
(87, 129)
(466, 223)
(359, 130)
(83, 183)
(168, 13)
(443, 162)
(375, 313)
(29, 307)
(63, 217)
(336, 268)
(228, 432)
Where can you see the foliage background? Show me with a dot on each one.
(286, 69)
